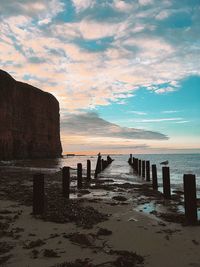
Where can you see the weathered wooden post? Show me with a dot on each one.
(79, 176)
(190, 200)
(136, 165)
(131, 159)
(143, 168)
(139, 167)
(166, 182)
(88, 170)
(147, 170)
(38, 193)
(154, 177)
(106, 163)
(66, 181)
(102, 164)
(98, 166)
(133, 163)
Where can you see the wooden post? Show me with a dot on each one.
(108, 161)
(136, 165)
(148, 170)
(79, 176)
(166, 182)
(88, 170)
(143, 168)
(104, 164)
(131, 159)
(133, 163)
(190, 198)
(139, 167)
(38, 194)
(66, 181)
(98, 167)
(154, 177)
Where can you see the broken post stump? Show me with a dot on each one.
(154, 177)
(88, 170)
(166, 182)
(130, 161)
(136, 165)
(66, 181)
(98, 167)
(133, 163)
(109, 160)
(147, 170)
(38, 193)
(79, 176)
(190, 199)
(143, 168)
(104, 164)
(139, 167)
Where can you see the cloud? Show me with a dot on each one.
(122, 5)
(81, 5)
(165, 90)
(88, 29)
(182, 122)
(115, 147)
(88, 124)
(97, 62)
(138, 112)
(41, 9)
(145, 2)
(170, 111)
(162, 15)
(159, 120)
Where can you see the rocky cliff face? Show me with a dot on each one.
(29, 121)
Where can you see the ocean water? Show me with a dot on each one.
(119, 170)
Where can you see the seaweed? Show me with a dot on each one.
(34, 244)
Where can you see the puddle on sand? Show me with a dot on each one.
(150, 207)
(147, 207)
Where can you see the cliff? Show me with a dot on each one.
(29, 121)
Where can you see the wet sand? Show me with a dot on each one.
(104, 225)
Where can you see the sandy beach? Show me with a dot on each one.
(104, 224)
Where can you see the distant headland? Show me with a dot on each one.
(29, 121)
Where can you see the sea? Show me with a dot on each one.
(119, 170)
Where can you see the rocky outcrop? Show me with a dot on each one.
(29, 121)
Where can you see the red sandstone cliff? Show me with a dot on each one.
(29, 121)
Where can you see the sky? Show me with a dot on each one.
(126, 73)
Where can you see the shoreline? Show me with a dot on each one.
(119, 209)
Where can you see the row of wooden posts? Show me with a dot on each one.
(142, 168)
(38, 182)
(102, 164)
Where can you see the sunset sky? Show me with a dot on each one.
(126, 73)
